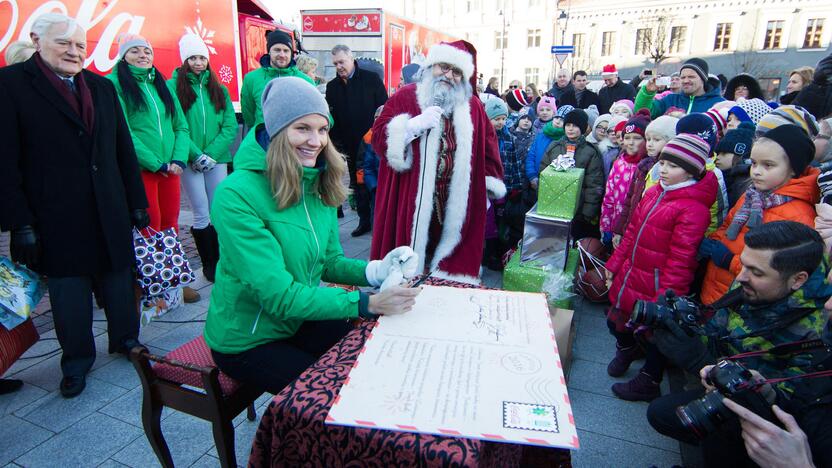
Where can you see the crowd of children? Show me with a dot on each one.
(670, 192)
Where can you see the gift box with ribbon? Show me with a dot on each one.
(560, 189)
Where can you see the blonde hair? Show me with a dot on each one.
(306, 63)
(284, 173)
(805, 73)
(19, 51)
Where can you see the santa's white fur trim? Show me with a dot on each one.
(399, 148)
(458, 278)
(423, 206)
(444, 53)
(456, 207)
(496, 188)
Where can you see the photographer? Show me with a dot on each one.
(777, 298)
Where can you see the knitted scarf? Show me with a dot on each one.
(751, 212)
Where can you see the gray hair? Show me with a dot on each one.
(19, 51)
(306, 63)
(342, 48)
(45, 22)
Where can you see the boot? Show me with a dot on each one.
(215, 247)
(362, 203)
(189, 295)
(205, 247)
(10, 385)
(340, 212)
(622, 360)
(641, 388)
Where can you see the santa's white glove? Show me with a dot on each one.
(428, 119)
(400, 264)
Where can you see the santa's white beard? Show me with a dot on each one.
(428, 88)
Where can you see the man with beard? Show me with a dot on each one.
(439, 162)
(777, 298)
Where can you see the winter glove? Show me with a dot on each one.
(140, 218)
(717, 252)
(683, 350)
(428, 119)
(401, 263)
(606, 239)
(203, 163)
(825, 185)
(24, 246)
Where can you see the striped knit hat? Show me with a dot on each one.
(720, 118)
(785, 115)
(689, 152)
(750, 110)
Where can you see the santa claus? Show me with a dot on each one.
(439, 162)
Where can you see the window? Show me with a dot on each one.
(723, 36)
(607, 43)
(532, 38)
(644, 37)
(532, 75)
(534, 3)
(578, 44)
(814, 28)
(677, 39)
(500, 39)
(774, 32)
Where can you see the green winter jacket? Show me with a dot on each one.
(159, 138)
(212, 132)
(255, 82)
(272, 261)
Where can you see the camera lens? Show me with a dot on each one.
(645, 313)
(705, 415)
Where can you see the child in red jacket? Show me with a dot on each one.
(657, 253)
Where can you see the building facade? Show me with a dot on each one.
(765, 38)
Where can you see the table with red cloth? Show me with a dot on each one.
(293, 432)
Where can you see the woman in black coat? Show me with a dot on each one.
(743, 86)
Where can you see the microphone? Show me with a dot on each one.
(440, 94)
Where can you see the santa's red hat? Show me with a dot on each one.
(456, 53)
(609, 70)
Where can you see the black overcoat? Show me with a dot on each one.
(75, 187)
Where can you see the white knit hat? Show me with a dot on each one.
(664, 126)
(191, 45)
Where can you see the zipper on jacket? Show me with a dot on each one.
(635, 245)
(690, 105)
(256, 320)
(158, 116)
(314, 234)
(204, 128)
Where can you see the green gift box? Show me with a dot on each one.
(559, 192)
(531, 278)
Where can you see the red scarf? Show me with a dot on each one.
(81, 103)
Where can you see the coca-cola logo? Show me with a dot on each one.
(88, 15)
(308, 24)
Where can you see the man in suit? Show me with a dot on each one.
(71, 191)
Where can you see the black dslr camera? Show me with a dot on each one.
(732, 380)
(680, 309)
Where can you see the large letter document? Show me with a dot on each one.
(472, 363)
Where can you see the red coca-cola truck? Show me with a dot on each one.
(369, 32)
(233, 30)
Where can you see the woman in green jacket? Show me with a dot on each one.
(213, 127)
(159, 130)
(275, 216)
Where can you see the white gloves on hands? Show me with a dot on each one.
(203, 163)
(400, 264)
(428, 119)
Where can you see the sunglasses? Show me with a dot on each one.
(513, 87)
(445, 68)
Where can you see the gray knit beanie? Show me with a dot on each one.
(288, 99)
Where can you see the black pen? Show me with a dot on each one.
(421, 280)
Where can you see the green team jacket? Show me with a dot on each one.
(212, 132)
(159, 138)
(272, 261)
(255, 82)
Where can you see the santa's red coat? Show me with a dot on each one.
(477, 174)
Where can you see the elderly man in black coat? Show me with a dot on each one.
(353, 97)
(71, 191)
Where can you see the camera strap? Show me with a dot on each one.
(785, 349)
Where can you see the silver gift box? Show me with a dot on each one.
(546, 240)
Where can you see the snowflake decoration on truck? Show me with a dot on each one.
(226, 75)
(206, 34)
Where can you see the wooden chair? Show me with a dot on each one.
(187, 380)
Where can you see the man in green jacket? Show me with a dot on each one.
(696, 95)
(277, 63)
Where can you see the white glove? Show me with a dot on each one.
(203, 163)
(428, 119)
(400, 264)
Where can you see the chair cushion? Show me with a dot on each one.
(194, 352)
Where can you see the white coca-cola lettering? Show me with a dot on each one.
(100, 56)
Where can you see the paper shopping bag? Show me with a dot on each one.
(20, 291)
(161, 263)
(15, 342)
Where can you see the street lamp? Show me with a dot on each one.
(560, 22)
(502, 49)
